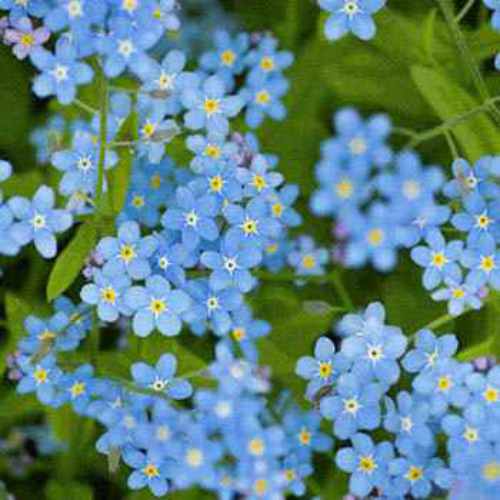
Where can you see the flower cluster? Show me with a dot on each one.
(362, 388)
(223, 439)
(353, 16)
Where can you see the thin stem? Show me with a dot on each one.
(340, 288)
(451, 144)
(451, 123)
(405, 131)
(103, 134)
(122, 144)
(464, 11)
(468, 59)
(438, 322)
(85, 107)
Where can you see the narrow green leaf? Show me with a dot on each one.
(71, 260)
(477, 135)
(16, 310)
(119, 180)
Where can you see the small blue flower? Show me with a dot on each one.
(39, 221)
(77, 388)
(61, 72)
(156, 305)
(257, 179)
(231, 265)
(193, 216)
(161, 378)
(439, 259)
(429, 351)
(128, 253)
(209, 107)
(210, 151)
(367, 463)
(281, 202)
(355, 405)
(323, 369)
(459, 296)
(483, 260)
(107, 293)
(306, 259)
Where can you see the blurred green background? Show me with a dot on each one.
(375, 76)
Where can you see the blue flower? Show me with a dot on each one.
(295, 471)
(61, 72)
(483, 260)
(444, 385)
(151, 470)
(36, 8)
(128, 253)
(281, 202)
(213, 306)
(39, 221)
(439, 259)
(125, 47)
(78, 387)
(355, 405)
(375, 355)
(367, 464)
(306, 259)
(350, 16)
(107, 293)
(41, 378)
(8, 245)
(231, 265)
(5, 170)
(429, 351)
(252, 223)
(210, 151)
(459, 296)
(478, 219)
(485, 391)
(263, 98)
(219, 180)
(161, 378)
(193, 216)
(409, 421)
(156, 305)
(372, 320)
(80, 165)
(323, 369)
(256, 178)
(495, 18)
(209, 107)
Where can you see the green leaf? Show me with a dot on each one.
(68, 490)
(16, 310)
(119, 180)
(70, 262)
(477, 135)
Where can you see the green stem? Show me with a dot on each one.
(441, 321)
(85, 107)
(464, 11)
(451, 123)
(468, 59)
(451, 144)
(94, 339)
(103, 134)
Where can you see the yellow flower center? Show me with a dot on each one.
(127, 253)
(228, 57)
(155, 181)
(344, 189)
(216, 183)
(212, 151)
(444, 383)
(129, 5)
(27, 39)
(138, 201)
(357, 146)
(490, 395)
(211, 106)
(267, 63)
(256, 447)
(262, 97)
(491, 471)
(259, 182)
(308, 262)
(46, 335)
(77, 389)
(376, 237)
(157, 306)
(487, 264)
(367, 464)
(239, 334)
(439, 259)
(414, 473)
(458, 293)
(351, 406)
(277, 209)
(40, 375)
(108, 294)
(272, 248)
(483, 221)
(471, 435)
(194, 457)
(148, 129)
(290, 474)
(151, 471)
(305, 437)
(325, 369)
(249, 226)
(260, 486)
